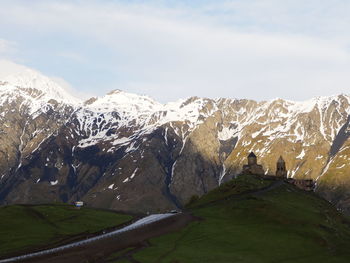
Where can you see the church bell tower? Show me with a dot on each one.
(281, 170)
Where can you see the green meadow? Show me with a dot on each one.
(24, 227)
(284, 224)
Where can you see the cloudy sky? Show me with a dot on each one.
(259, 49)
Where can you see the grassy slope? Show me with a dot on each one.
(23, 227)
(282, 225)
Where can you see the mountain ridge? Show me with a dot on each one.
(127, 151)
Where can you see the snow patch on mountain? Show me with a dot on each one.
(301, 155)
(227, 133)
(120, 109)
(53, 182)
(129, 106)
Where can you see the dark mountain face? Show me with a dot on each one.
(128, 152)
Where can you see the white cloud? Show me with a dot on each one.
(171, 53)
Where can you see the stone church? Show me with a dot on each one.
(253, 167)
(281, 173)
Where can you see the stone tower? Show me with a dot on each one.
(281, 170)
(252, 160)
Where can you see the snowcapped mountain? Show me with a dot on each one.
(39, 86)
(129, 152)
(34, 87)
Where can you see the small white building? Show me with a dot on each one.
(79, 204)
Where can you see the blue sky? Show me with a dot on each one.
(259, 49)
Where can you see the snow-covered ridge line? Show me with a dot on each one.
(142, 222)
(141, 106)
(132, 106)
(121, 109)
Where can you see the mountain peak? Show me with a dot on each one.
(115, 91)
(38, 86)
(129, 103)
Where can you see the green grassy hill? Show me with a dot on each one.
(237, 223)
(24, 227)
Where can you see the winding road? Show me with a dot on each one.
(101, 246)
